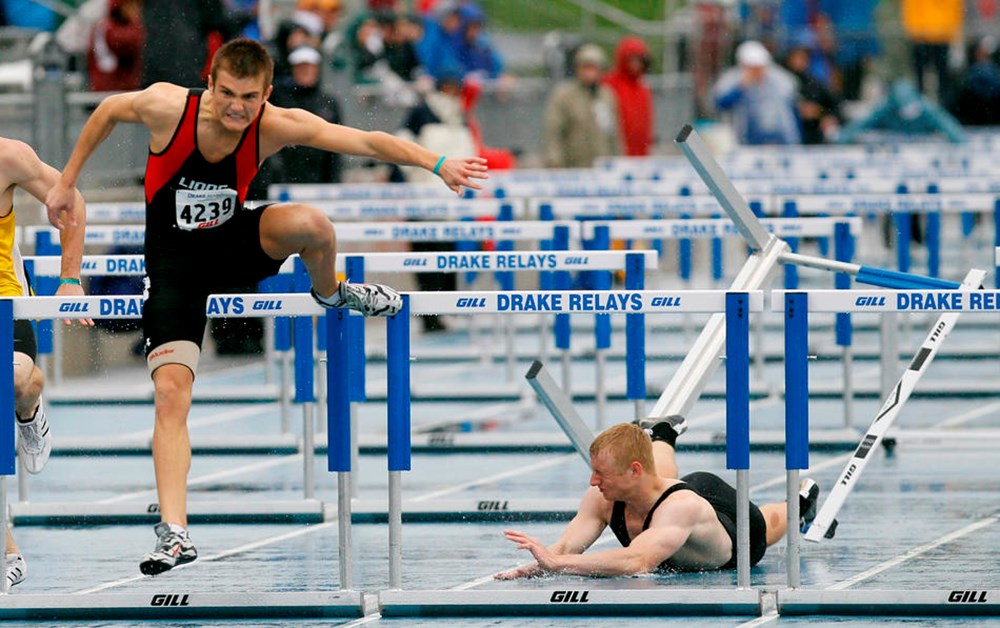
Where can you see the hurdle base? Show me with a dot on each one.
(77, 513)
(569, 602)
(180, 605)
(980, 602)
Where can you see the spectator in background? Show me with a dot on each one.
(401, 39)
(302, 90)
(581, 117)
(857, 43)
(931, 26)
(302, 29)
(977, 101)
(475, 52)
(114, 60)
(177, 39)
(818, 106)
(907, 112)
(760, 96)
(634, 98)
(438, 50)
(438, 123)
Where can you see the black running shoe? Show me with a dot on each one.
(808, 498)
(172, 549)
(666, 430)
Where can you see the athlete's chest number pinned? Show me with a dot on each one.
(204, 209)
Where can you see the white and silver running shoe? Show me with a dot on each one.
(35, 442)
(172, 549)
(371, 299)
(17, 569)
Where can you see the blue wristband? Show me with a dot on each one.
(437, 166)
(72, 281)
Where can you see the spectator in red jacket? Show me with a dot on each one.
(114, 60)
(635, 100)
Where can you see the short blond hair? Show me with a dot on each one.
(626, 443)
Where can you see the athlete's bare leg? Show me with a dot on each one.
(173, 384)
(28, 384)
(665, 459)
(776, 518)
(289, 228)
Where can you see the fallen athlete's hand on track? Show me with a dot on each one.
(524, 571)
(59, 201)
(72, 290)
(547, 561)
(460, 171)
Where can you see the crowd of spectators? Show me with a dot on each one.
(826, 50)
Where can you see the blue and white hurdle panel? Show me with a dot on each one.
(960, 599)
(592, 600)
(347, 602)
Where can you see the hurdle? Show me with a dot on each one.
(343, 603)
(590, 600)
(969, 298)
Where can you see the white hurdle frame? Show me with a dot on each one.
(949, 304)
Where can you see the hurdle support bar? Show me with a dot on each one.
(561, 408)
(569, 602)
(957, 602)
(180, 604)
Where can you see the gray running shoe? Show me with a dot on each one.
(371, 299)
(35, 442)
(17, 569)
(172, 549)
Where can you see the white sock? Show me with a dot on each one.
(178, 529)
(332, 300)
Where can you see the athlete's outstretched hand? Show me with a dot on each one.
(59, 201)
(547, 560)
(460, 171)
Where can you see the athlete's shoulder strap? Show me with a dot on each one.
(618, 525)
(680, 486)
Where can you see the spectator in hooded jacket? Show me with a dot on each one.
(581, 116)
(635, 99)
(114, 60)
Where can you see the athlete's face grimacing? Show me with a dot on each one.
(237, 101)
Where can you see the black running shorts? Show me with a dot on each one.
(722, 497)
(180, 281)
(24, 338)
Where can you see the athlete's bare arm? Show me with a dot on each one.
(674, 523)
(21, 167)
(158, 107)
(287, 127)
(580, 533)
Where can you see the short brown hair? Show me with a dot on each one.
(626, 442)
(243, 58)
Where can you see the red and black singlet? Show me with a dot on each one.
(193, 206)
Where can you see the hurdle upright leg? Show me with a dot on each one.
(7, 442)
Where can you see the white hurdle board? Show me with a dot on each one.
(180, 603)
(575, 601)
(917, 603)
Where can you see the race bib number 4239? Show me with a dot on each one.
(204, 209)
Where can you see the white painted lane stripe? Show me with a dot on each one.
(225, 554)
(545, 464)
(976, 413)
(211, 477)
(212, 419)
(914, 552)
